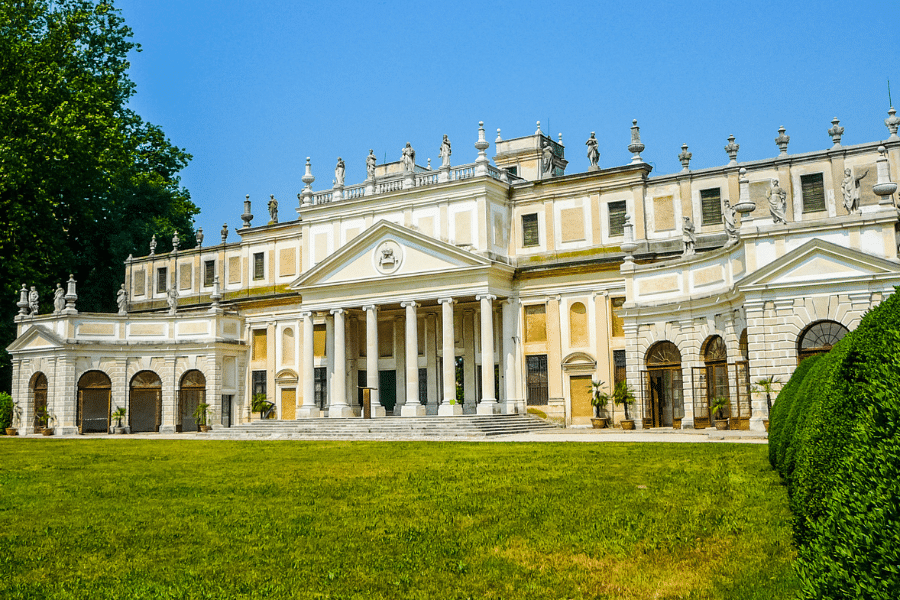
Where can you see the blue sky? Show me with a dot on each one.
(251, 88)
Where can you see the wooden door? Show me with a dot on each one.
(289, 404)
(580, 394)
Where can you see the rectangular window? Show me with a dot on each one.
(616, 218)
(162, 280)
(813, 190)
(711, 206)
(618, 366)
(536, 380)
(618, 328)
(535, 323)
(209, 273)
(320, 387)
(530, 236)
(259, 265)
(513, 170)
(259, 382)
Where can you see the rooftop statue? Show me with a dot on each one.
(122, 300)
(688, 237)
(172, 300)
(546, 157)
(728, 217)
(444, 152)
(224, 232)
(59, 299)
(777, 202)
(593, 153)
(33, 301)
(273, 209)
(409, 158)
(370, 164)
(850, 191)
(339, 173)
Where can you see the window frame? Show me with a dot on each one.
(704, 222)
(532, 222)
(259, 266)
(803, 193)
(162, 276)
(616, 230)
(209, 273)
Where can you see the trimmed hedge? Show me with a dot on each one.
(836, 441)
(6, 411)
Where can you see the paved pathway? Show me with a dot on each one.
(558, 435)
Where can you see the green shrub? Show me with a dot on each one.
(6, 410)
(780, 426)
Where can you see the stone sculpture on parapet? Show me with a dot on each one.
(688, 237)
(59, 299)
(409, 158)
(728, 217)
(593, 153)
(122, 300)
(339, 170)
(850, 190)
(546, 157)
(445, 152)
(199, 237)
(175, 242)
(273, 209)
(153, 245)
(370, 165)
(172, 300)
(33, 301)
(224, 232)
(777, 198)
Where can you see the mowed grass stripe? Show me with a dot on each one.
(174, 519)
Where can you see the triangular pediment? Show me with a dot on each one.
(37, 337)
(386, 251)
(819, 261)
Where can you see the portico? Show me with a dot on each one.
(440, 304)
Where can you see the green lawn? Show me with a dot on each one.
(216, 519)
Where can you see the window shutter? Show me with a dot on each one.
(711, 206)
(530, 235)
(616, 218)
(813, 190)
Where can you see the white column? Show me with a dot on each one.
(508, 345)
(338, 407)
(448, 406)
(372, 358)
(488, 404)
(412, 407)
(309, 408)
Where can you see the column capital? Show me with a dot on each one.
(306, 314)
(336, 311)
(368, 307)
(446, 301)
(408, 304)
(488, 297)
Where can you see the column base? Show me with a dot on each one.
(511, 407)
(450, 410)
(378, 412)
(62, 431)
(167, 429)
(340, 412)
(488, 407)
(309, 412)
(412, 409)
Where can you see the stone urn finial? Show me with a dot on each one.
(538, 131)
(636, 147)
(481, 145)
(306, 196)
(836, 132)
(153, 245)
(247, 217)
(782, 141)
(745, 205)
(685, 158)
(175, 242)
(892, 123)
(199, 237)
(23, 301)
(499, 139)
(71, 296)
(224, 232)
(884, 187)
(732, 149)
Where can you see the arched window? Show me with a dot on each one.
(662, 393)
(818, 338)
(191, 394)
(145, 402)
(712, 381)
(94, 394)
(578, 325)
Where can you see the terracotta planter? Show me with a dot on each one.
(204, 428)
(48, 431)
(12, 431)
(676, 423)
(627, 424)
(598, 422)
(722, 424)
(766, 424)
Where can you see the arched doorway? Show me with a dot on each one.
(740, 407)
(94, 393)
(145, 407)
(818, 338)
(662, 386)
(710, 380)
(192, 392)
(39, 392)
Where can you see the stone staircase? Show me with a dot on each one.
(386, 428)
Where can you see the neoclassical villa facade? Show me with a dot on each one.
(492, 287)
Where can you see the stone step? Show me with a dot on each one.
(461, 426)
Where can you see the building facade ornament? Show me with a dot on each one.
(593, 153)
(836, 132)
(273, 209)
(339, 170)
(728, 218)
(636, 147)
(199, 237)
(247, 217)
(732, 149)
(850, 190)
(777, 198)
(172, 299)
(892, 123)
(175, 242)
(224, 233)
(122, 300)
(33, 301)
(153, 245)
(409, 158)
(444, 153)
(59, 299)
(685, 158)
(688, 237)
(782, 141)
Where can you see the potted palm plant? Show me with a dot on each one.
(118, 415)
(262, 405)
(599, 400)
(42, 421)
(767, 386)
(10, 413)
(201, 413)
(623, 395)
(717, 409)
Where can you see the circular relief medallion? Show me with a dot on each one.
(387, 257)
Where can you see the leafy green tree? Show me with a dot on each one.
(84, 181)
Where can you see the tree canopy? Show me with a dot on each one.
(84, 181)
